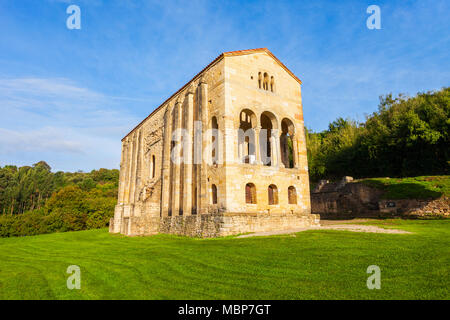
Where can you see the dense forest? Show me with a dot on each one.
(406, 136)
(34, 200)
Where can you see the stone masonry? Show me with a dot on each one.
(225, 154)
(349, 199)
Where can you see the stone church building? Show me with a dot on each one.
(225, 154)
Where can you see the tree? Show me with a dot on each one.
(43, 165)
(406, 136)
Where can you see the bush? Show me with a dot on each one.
(69, 209)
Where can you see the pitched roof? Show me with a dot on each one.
(220, 57)
(250, 51)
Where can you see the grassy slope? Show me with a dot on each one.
(425, 187)
(312, 265)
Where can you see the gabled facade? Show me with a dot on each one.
(225, 154)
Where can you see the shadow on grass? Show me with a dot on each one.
(404, 190)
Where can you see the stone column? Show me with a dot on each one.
(130, 167)
(187, 149)
(143, 175)
(295, 151)
(280, 150)
(122, 173)
(126, 175)
(177, 161)
(165, 173)
(203, 99)
(274, 146)
(257, 132)
(138, 169)
(133, 179)
(196, 177)
(240, 151)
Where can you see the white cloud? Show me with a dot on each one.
(37, 94)
(41, 140)
(69, 126)
(55, 87)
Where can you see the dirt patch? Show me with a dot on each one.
(330, 226)
(326, 222)
(361, 228)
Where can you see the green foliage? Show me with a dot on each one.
(33, 200)
(331, 152)
(405, 137)
(428, 187)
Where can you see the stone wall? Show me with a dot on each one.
(243, 223)
(415, 207)
(224, 224)
(348, 199)
(205, 225)
(345, 199)
(283, 104)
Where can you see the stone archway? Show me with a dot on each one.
(267, 145)
(246, 136)
(287, 143)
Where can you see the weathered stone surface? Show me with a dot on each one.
(355, 199)
(224, 224)
(205, 195)
(344, 199)
(416, 207)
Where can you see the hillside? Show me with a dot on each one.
(424, 187)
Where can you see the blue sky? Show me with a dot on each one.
(69, 96)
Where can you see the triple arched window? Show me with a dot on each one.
(272, 194)
(266, 82)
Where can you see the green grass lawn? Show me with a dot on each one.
(310, 265)
(426, 187)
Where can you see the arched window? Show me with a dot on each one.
(250, 193)
(287, 143)
(214, 194)
(273, 194)
(259, 80)
(246, 136)
(153, 166)
(292, 195)
(214, 140)
(272, 84)
(266, 81)
(267, 151)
